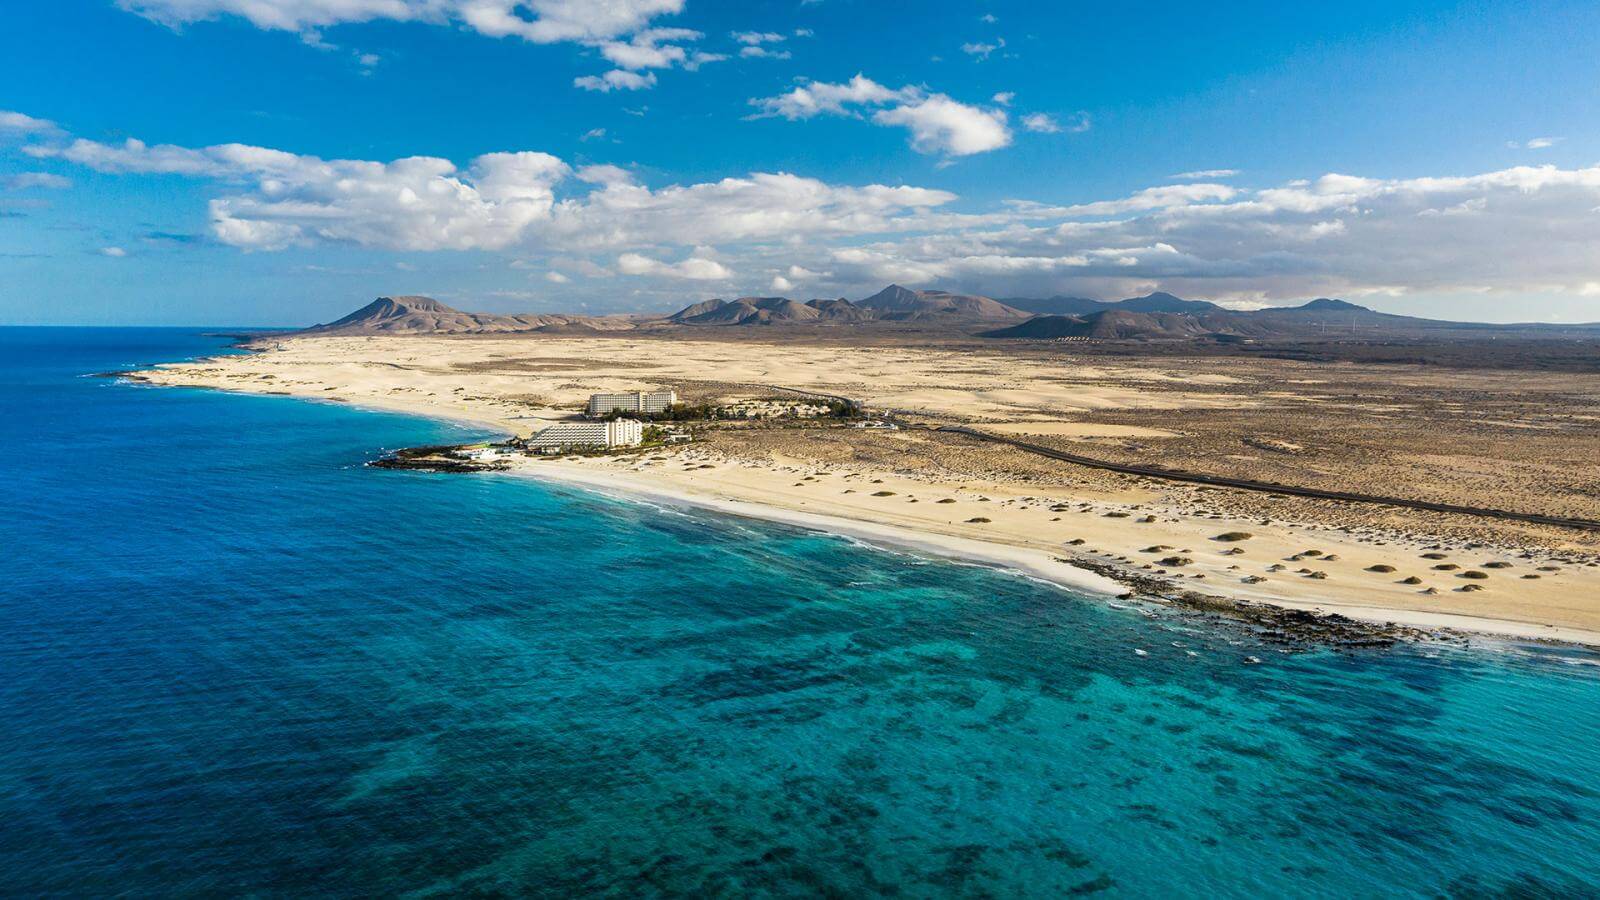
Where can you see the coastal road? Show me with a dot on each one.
(1270, 487)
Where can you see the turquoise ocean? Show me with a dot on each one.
(234, 660)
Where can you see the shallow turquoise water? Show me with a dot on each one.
(235, 661)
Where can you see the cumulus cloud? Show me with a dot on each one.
(23, 124)
(938, 124)
(780, 284)
(416, 203)
(982, 49)
(1527, 229)
(1538, 143)
(619, 29)
(539, 21)
(616, 80)
(759, 207)
(1203, 174)
(272, 199)
(694, 268)
(113, 252)
(555, 277)
(1522, 229)
(649, 49)
(1043, 123)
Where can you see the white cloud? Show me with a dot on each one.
(757, 37)
(1004, 98)
(593, 134)
(649, 49)
(616, 80)
(1513, 231)
(602, 24)
(804, 33)
(1538, 143)
(694, 268)
(700, 58)
(539, 21)
(819, 97)
(1203, 174)
(416, 203)
(760, 207)
(1042, 123)
(781, 284)
(113, 252)
(15, 121)
(937, 123)
(982, 49)
(270, 200)
(556, 277)
(28, 180)
(604, 174)
(989, 18)
(763, 53)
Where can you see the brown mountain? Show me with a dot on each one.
(745, 311)
(902, 304)
(1317, 320)
(769, 311)
(425, 315)
(1109, 325)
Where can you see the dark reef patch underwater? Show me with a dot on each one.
(234, 660)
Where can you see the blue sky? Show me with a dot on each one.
(1428, 158)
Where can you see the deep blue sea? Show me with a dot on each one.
(235, 661)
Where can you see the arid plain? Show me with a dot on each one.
(1519, 440)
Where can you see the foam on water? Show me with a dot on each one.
(236, 661)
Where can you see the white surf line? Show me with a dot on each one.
(1035, 564)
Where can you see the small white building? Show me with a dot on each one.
(565, 436)
(634, 402)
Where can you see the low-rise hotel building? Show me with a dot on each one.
(642, 402)
(565, 436)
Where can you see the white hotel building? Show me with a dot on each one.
(634, 402)
(565, 436)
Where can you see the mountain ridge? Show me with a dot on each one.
(417, 314)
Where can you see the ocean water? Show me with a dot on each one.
(235, 661)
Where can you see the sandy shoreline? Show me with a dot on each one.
(1038, 529)
(1033, 563)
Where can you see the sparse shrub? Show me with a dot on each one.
(1234, 536)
